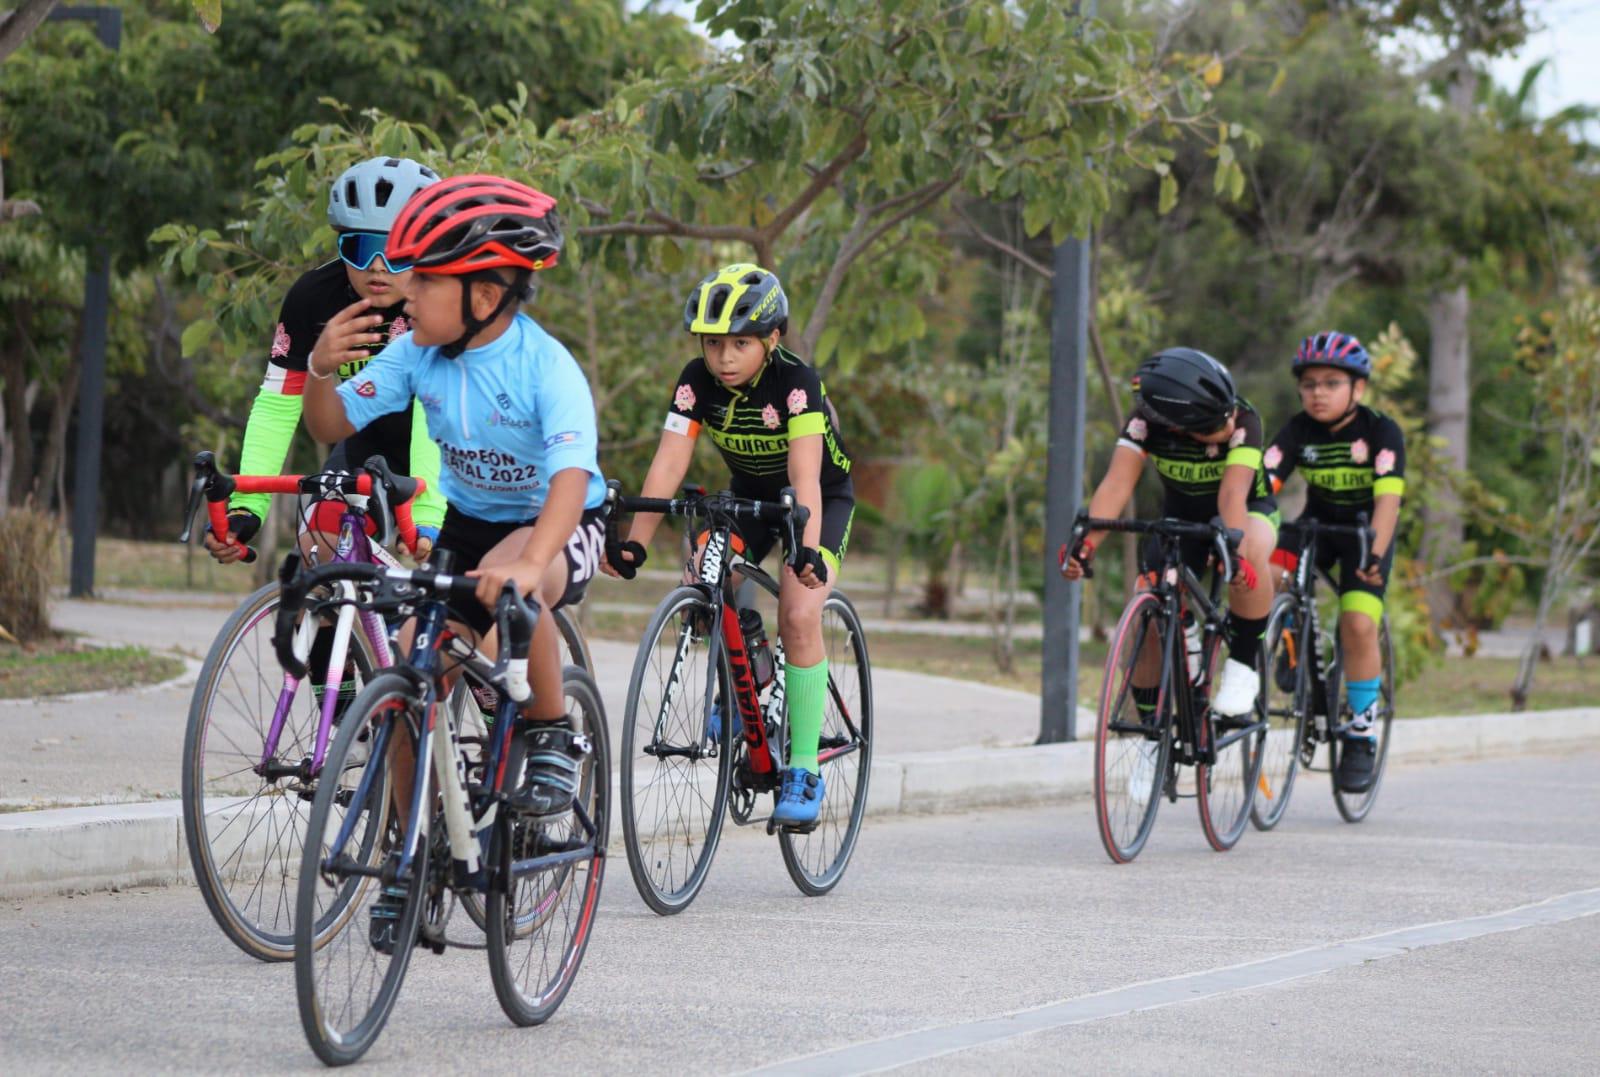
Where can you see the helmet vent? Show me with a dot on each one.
(351, 198)
(383, 189)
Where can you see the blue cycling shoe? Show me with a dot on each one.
(800, 799)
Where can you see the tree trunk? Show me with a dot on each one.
(1522, 687)
(1449, 379)
(18, 445)
(16, 25)
(51, 479)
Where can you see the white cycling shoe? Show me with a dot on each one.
(1237, 689)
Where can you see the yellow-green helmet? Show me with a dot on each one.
(737, 300)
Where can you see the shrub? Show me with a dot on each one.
(27, 556)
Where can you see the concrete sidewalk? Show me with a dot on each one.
(125, 747)
(111, 846)
(941, 745)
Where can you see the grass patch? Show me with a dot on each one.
(59, 665)
(163, 566)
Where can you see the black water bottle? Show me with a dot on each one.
(757, 649)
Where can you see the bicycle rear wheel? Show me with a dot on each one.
(1285, 713)
(674, 771)
(816, 859)
(539, 922)
(348, 977)
(1354, 807)
(1130, 748)
(243, 830)
(1226, 788)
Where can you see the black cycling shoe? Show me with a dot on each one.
(1358, 764)
(384, 925)
(551, 779)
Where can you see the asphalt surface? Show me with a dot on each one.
(941, 923)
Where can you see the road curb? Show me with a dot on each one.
(111, 846)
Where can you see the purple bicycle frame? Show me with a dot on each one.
(353, 545)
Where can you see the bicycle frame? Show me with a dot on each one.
(1177, 584)
(353, 546)
(1321, 702)
(469, 813)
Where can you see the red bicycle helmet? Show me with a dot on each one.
(470, 223)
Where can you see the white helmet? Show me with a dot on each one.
(367, 197)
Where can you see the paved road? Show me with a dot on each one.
(120, 747)
(942, 925)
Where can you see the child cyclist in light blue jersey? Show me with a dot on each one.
(513, 417)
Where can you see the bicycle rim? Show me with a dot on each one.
(816, 860)
(539, 924)
(1280, 756)
(673, 804)
(1130, 750)
(243, 832)
(348, 977)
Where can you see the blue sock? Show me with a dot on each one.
(1362, 694)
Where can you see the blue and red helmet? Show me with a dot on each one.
(1338, 350)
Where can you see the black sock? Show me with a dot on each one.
(1244, 637)
(1144, 699)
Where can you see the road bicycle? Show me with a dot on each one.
(1155, 712)
(1302, 672)
(411, 814)
(705, 731)
(256, 737)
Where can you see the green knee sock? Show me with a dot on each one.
(806, 691)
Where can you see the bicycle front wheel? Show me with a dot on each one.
(1226, 787)
(348, 975)
(1284, 677)
(816, 859)
(677, 740)
(1354, 807)
(540, 920)
(1131, 742)
(244, 823)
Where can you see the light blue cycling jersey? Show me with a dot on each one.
(506, 416)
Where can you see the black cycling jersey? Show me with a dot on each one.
(751, 425)
(311, 303)
(1345, 470)
(1191, 472)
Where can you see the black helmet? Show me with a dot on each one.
(1185, 389)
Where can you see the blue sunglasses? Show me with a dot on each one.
(360, 249)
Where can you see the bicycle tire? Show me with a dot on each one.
(1119, 752)
(320, 961)
(1354, 807)
(565, 897)
(816, 860)
(1225, 790)
(572, 639)
(665, 884)
(1285, 717)
(230, 814)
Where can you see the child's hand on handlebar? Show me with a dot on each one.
(813, 570)
(242, 527)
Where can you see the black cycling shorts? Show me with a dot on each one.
(467, 539)
(1340, 550)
